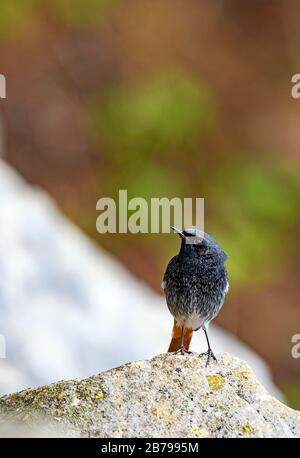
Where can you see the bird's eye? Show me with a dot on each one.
(188, 234)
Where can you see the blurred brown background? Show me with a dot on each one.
(170, 98)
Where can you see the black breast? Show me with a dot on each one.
(195, 284)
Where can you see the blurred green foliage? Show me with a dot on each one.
(292, 393)
(145, 128)
(15, 16)
(80, 12)
(153, 117)
(256, 207)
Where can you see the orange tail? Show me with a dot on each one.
(176, 338)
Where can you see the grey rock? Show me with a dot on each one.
(167, 396)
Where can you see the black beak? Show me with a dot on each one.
(178, 231)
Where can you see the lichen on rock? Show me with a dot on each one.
(216, 382)
(167, 396)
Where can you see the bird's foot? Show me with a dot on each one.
(209, 355)
(182, 351)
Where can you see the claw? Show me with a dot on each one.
(182, 351)
(209, 354)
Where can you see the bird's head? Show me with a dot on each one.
(199, 243)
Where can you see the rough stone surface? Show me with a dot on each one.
(168, 396)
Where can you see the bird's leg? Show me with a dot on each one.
(209, 352)
(182, 350)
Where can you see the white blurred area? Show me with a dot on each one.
(67, 308)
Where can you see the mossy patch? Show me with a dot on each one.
(247, 429)
(163, 413)
(215, 382)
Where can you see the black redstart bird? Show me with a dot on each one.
(195, 284)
